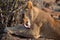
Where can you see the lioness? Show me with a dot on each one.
(37, 23)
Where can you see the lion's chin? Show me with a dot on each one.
(27, 26)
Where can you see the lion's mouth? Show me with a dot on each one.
(27, 24)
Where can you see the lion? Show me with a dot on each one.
(37, 23)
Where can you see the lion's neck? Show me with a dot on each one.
(34, 10)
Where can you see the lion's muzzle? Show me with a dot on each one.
(27, 24)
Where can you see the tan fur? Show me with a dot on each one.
(29, 4)
(25, 19)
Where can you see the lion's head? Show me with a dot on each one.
(28, 14)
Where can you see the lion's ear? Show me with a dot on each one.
(29, 4)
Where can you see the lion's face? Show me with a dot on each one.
(27, 18)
